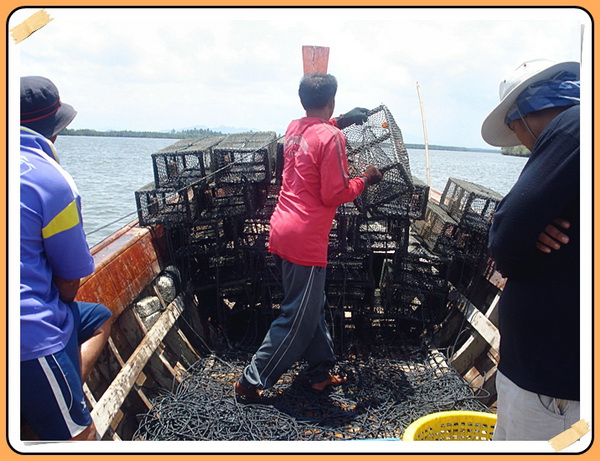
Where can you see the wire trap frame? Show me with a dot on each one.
(249, 155)
(169, 206)
(378, 141)
(470, 204)
(185, 163)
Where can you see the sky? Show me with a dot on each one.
(162, 69)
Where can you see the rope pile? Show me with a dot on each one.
(381, 398)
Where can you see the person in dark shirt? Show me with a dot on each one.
(534, 240)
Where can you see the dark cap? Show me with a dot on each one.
(41, 108)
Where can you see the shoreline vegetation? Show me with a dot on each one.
(516, 151)
(205, 132)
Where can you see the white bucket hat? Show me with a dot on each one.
(493, 130)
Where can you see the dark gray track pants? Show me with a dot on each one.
(299, 331)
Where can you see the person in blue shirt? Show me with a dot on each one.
(60, 339)
(534, 240)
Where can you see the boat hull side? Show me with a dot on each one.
(125, 265)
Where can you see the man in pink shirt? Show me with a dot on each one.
(315, 183)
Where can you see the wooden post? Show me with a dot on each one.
(425, 136)
(315, 59)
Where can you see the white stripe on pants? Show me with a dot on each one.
(299, 330)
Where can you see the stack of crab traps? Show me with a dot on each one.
(389, 252)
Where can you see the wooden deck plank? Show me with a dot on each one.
(139, 381)
(487, 336)
(108, 405)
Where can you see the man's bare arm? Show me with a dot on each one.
(67, 289)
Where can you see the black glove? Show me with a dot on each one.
(358, 115)
(372, 175)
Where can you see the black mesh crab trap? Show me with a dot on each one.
(168, 206)
(203, 238)
(255, 235)
(415, 286)
(270, 202)
(407, 303)
(410, 205)
(344, 267)
(420, 269)
(349, 278)
(443, 235)
(227, 272)
(438, 231)
(338, 234)
(245, 155)
(279, 161)
(378, 234)
(348, 210)
(232, 200)
(379, 142)
(470, 204)
(184, 163)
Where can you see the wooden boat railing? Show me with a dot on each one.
(125, 263)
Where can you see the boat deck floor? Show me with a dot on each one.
(382, 396)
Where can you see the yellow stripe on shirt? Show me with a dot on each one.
(66, 219)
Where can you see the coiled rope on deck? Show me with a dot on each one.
(381, 398)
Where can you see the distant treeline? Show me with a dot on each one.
(450, 148)
(517, 151)
(193, 133)
(205, 132)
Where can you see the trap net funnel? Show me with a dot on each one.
(378, 141)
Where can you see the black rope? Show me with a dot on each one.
(381, 398)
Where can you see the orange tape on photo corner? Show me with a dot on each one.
(570, 436)
(33, 23)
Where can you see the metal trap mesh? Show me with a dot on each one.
(225, 271)
(168, 206)
(229, 200)
(350, 269)
(379, 142)
(245, 155)
(421, 270)
(378, 234)
(204, 238)
(270, 201)
(419, 311)
(439, 232)
(470, 204)
(184, 163)
(411, 205)
(414, 289)
(255, 234)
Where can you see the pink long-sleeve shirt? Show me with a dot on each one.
(315, 183)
